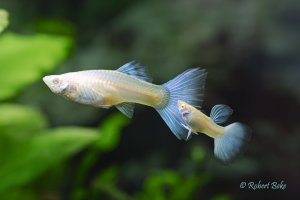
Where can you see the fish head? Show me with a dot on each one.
(185, 110)
(56, 83)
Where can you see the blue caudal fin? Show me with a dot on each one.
(220, 113)
(188, 87)
(231, 143)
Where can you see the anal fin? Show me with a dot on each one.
(126, 108)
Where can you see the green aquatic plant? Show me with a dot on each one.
(104, 185)
(39, 149)
(110, 133)
(222, 197)
(24, 59)
(3, 19)
(32, 149)
(28, 147)
(169, 184)
(36, 158)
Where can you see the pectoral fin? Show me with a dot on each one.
(91, 97)
(105, 107)
(190, 131)
(126, 108)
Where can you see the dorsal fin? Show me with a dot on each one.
(220, 113)
(136, 70)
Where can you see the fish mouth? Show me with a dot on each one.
(47, 80)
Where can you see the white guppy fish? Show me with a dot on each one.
(228, 140)
(128, 85)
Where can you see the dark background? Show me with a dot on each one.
(250, 50)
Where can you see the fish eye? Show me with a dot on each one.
(55, 81)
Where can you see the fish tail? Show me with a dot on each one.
(188, 87)
(232, 142)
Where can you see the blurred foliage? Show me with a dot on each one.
(44, 149)
(52, 26)
(249, 48)
(108, 140)
(222, 197)
(22, 163)
(3, 19)
(104, 185)
(26, 58)
(165, 185)
(28, 149)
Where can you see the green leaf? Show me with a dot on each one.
(24, 59)
(222, 197)
(108, 175)
(3, 19)
(55, 27)
(17, 125)
(104, 185)
(111, 131)
(198, 154)
(186, 188)
(171, 185)
(43, 152)
(20, 122)
(159, 184)
(19, 194)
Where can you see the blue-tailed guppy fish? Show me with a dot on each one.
(128, 85)
(228, 140)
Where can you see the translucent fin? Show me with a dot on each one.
(220, 113)
(231, 143)
(135, 69)
(105, 107)
(126, 108)
(188, 87)
(190, 131)
(90, 97)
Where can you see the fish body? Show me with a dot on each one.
(128, 85)
(228, 140)
(106, 88)
(199, 122)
